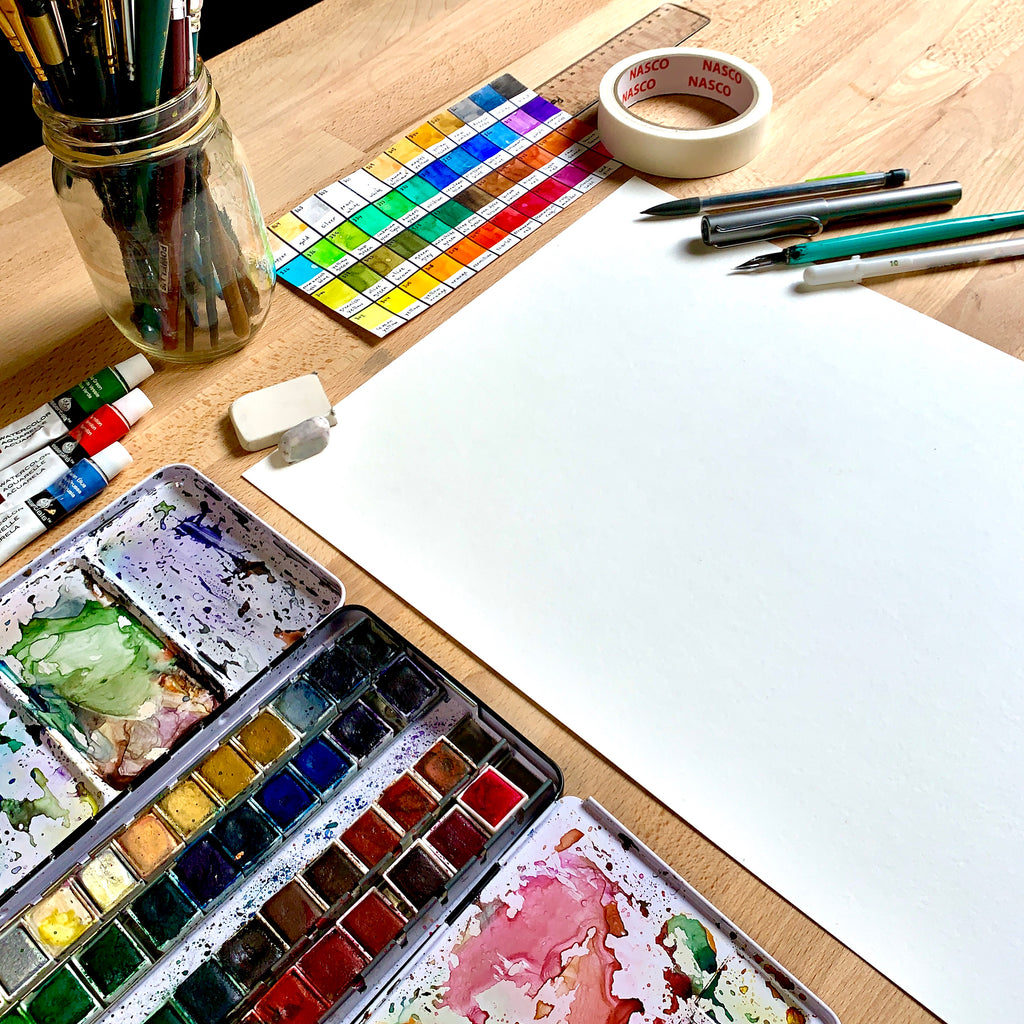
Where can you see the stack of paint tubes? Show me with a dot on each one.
(57, 457)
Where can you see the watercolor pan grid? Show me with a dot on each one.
(93, 936)
(394, 237)
(108, 667)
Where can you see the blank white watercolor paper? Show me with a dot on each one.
(763, 549)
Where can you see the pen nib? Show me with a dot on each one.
(767, 260)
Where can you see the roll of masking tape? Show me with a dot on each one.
(684, 152)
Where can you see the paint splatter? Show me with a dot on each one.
(12, 743)
(21, 813)
(724, 992)
(588, 932)
(40, 800)
(548, 943)
(219, 584)
(212, 536)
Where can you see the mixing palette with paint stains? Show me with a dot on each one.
(224, 832)
(396, 236)
(126, 639)
(586, 924)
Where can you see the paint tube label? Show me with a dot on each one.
(93, 434)
(30, 433)
(18, 526)
(67, 410)
(37, 471)
(76, 403)
(74, 488)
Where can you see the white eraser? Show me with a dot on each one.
(261, 417)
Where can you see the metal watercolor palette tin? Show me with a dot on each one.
(348, 834)
(121, 640)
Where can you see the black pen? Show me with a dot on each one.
(780, 193)
(812, 216)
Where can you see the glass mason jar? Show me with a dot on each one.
(165, 217)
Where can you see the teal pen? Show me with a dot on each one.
(889, 238)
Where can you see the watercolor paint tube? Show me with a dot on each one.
(23, 521)
(68, 409)
(99, 429)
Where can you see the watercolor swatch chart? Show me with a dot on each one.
(391, 239)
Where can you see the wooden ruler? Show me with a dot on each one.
(575, 88)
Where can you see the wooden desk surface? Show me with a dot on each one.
(859, 84)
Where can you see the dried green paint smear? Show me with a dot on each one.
(100, 660)
(21, 813)
(696, 939)
(12, 744)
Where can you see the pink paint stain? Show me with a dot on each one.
(524, 940)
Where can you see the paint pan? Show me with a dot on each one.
(60, 919)
(110, 961)
(20, 959)
(492, 798)
(322, 765)
(290, 1001)
(293, 911)
(251, 953)
(246, 835)
(266, 739)
(373, 922)
(406, 802)
(333, 875)
(208, 995)
(148, 843)
(161, 913)
(63, 998)
(106, 879)
(332, 965)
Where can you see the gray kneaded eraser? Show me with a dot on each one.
(261, 417)
(307, 438)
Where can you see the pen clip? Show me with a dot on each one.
(756, 231)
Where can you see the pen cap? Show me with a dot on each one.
(134, 370)
(112, 459)
(810, 217)
(834, 273)
(133, 406)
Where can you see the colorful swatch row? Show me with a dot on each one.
(394, 237)
(215, 825)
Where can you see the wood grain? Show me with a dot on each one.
(859, 84)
